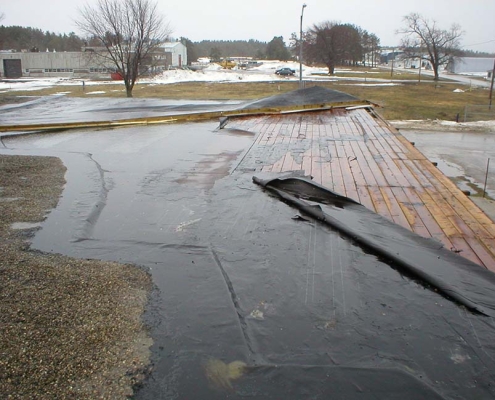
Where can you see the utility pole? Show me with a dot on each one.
(420, 65)
(491, 86)
(393, 59)
(301, 47)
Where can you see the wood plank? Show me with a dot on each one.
(395, 210)
(379, 203)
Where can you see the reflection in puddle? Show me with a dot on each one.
(457, 174)
(462, 156)
(221, 375)
(237, 132)
(450, 169)
(210, 169)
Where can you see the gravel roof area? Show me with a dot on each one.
(69, 328)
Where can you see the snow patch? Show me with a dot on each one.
(441, 125)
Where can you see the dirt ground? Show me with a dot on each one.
(68, 328)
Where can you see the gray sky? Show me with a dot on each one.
(264, 19)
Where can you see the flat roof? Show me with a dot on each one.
(256, 293)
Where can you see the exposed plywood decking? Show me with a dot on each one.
(361, 157)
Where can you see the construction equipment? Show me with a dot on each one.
(227, 63)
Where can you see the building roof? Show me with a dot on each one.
(372, 279)
(170, 45)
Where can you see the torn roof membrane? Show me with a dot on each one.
(455, 277)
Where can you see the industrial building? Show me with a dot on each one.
(459, 65)
(82, 64)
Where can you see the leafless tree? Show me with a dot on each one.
(371, 45)
(2, 16)
(129, 30)
(439, 45)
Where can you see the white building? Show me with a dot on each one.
(460, 65)
(176, 54)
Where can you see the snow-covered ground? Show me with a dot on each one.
(447, 126)
(212, 73)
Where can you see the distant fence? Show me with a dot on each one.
(479, 113)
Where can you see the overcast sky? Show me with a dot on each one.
(264, 19)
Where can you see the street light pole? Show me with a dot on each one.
(491, 86)
(301, 47)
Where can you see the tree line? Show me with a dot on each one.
(229, 48)
(20, 38)
(345, 43)
(275, 49)
(31, 39)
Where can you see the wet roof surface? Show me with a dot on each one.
(62, 109)
(254, 297)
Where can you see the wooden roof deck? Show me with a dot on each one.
(360, 156)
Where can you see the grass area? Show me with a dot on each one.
(382, 73)
(405, 100)
(418, 101)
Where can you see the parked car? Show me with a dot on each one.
(249, 64)
(285, 71)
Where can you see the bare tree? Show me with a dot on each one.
(371, 44)
(130, 31)
(440, 45)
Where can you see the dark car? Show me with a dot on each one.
(285, 71)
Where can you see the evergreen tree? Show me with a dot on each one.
(191, 50)
(215, 54)
(277, 50)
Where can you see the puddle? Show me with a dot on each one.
(73, 109)
(450, 169)
(459, 177)
(462, 156)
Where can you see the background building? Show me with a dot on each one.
(176, 54)
(459, 65)
(83, 64)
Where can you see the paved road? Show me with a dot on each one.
(462, 79)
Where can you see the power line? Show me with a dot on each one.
(477, 44)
